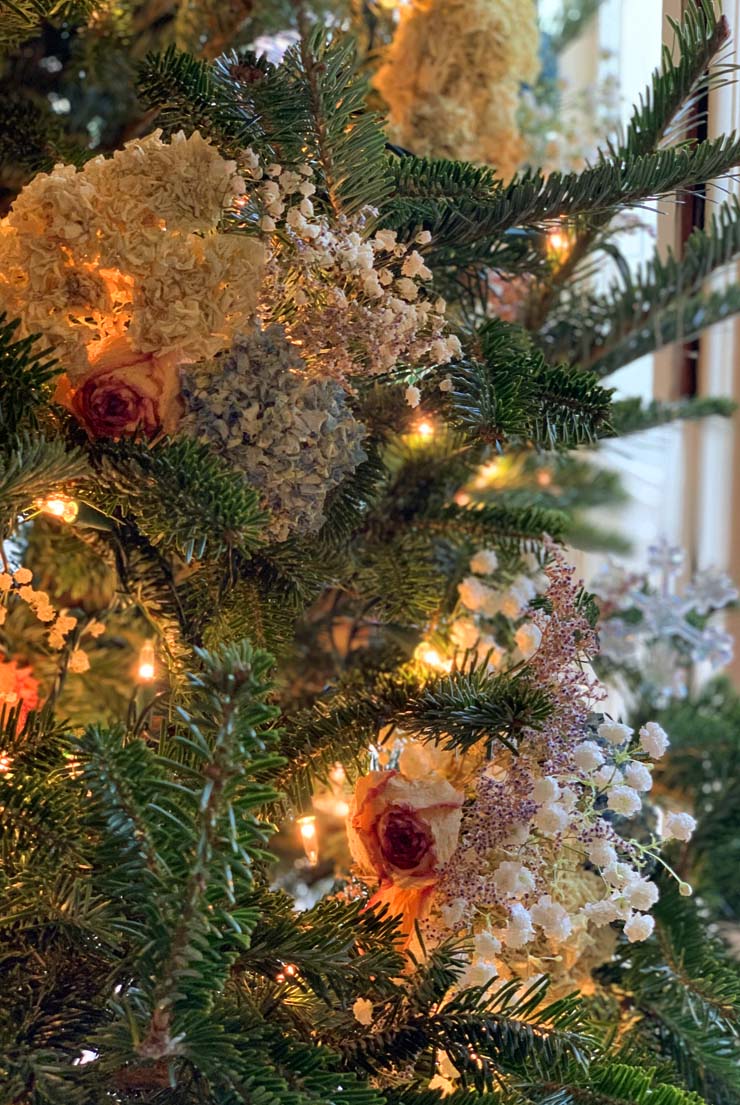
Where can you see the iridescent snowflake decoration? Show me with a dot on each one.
(655, 629)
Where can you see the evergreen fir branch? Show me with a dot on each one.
(678, 322)
(187, 94)
(181, 496)
(340, 949)
(485, 1035)
(343, 138)
(464, 708)
(610, 1083)
(633, 304)
(23, 19)
(215, 839)
(26, 373)
(421, 197)
(509, 393)
(511, 526)
(32, 469)
(574, 408)
(632, 416)
(667, 102)
(348, 504)
(659, 114)
(688, 993)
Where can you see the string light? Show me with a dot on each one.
(559, 243)
(425, 429)
(60, 507)
(5, 763)
(309, 837)
(147, 668)
(289, 971)
(427, 654)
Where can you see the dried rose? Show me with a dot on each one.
(403, 830)
(124, 392)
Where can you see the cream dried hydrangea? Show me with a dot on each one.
(131, 247)
(452, 75)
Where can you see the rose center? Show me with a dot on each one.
(404, 839)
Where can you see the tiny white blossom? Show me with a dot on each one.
(484, 562)
(623, 800)
(637, 775)
(653, 740)
(588, 756)
(546, 789)
(639, 927)
(602, 853)
(446, 384)
(551, 819)
(518, 930)
(487, 946)
(608, 775)
(552, 918)
(614, 732)
(601, 913)
(513, 879)
(641, 894)
(413, 395)
(678, 826)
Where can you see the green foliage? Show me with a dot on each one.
(26, 373)
(31, 470)
(686, 991)
(632, 416)
(22, 19)
(341, 136)
(182, 497)
(669, 99)
(460, 205)
(189, 93)
(511, 395)
(604, 331)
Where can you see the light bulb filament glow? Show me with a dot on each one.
(59, 506)
(146, 669)
(309, 837)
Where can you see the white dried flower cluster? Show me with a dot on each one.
(356, 301)
(487, 593)
(18, 587)
(131, 245)
(292, 436)
(452, 77)
(546, 863)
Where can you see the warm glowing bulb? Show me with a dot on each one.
(428, 654)
(425, 429)
(289, 971)
(342, 809)
(309, 836)
(5, 763)
(337, 774)
(559, 243)
(146, 669)
(59, 507)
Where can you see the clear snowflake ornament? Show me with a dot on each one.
(655, 629)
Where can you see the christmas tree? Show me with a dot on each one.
(259, 360)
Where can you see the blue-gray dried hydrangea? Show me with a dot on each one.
(293, 437)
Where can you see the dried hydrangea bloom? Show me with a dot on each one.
(131, 246)
(293, 437)
(452, 75)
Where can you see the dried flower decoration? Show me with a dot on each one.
(124, 267)
(452, 76)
